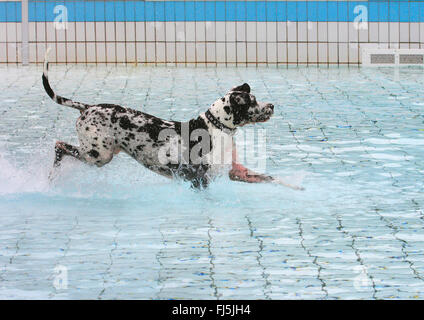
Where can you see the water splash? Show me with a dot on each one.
(295, 179)
(14, 180)
(125, 183)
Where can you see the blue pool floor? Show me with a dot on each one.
(123, 232)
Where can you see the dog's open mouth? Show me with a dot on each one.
(264, 118)
(260, 119)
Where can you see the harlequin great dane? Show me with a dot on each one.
(106, 129)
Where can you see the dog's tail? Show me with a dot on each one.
(58, 99)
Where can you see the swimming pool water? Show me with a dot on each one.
(123, 232)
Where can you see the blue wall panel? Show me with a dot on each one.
(378, 10)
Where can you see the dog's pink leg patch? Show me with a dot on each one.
(241, 173)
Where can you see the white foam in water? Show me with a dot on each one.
(120, 180)
(296, 179)
(32, 178)
(293, 182)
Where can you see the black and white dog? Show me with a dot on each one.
(190, 150)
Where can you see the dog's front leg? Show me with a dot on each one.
(239, 172)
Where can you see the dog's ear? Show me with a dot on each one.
(243, 88)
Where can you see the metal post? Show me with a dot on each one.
(25, 31)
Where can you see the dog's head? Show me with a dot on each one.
(239, 107)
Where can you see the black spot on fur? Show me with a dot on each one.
(116, 111)
(235, 98)
(153, 127)
(194, 124)
(126, 124)
(240, 111)
(93, 153)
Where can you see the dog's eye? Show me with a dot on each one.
(240, 100)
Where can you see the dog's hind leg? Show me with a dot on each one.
(91, 156)
(64, 149)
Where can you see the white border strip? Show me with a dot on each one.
(24, 31)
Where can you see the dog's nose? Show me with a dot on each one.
(271, 106)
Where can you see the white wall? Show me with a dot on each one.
(207, 42)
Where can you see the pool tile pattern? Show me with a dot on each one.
(122, 232)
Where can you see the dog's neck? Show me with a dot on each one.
(216, 118)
